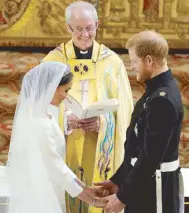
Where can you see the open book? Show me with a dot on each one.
(93, 110)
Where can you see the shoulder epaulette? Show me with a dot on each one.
(162, 93)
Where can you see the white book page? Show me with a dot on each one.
(103, 103)
(93, 110)
(100, 108)
(74, 105)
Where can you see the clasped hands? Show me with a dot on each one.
(105, 196)
(88, 124)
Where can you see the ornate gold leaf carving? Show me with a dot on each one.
(43, 22)
(11, 11)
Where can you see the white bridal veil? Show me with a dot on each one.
(31, 191)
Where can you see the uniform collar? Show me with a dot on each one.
(158, 80)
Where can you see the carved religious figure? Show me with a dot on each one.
(50, 15)
(183, 11)
(117, 10)
(11, 11)
(151, 10)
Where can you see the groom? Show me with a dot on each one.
(148, 179)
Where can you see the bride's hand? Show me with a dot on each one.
(100, 202)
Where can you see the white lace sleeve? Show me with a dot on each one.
(67, 130)
(57, 168)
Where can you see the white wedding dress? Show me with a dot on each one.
(36, 172)
(60, 175)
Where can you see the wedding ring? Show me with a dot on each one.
(93, 201)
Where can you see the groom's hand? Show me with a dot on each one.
(100, 202)
(114, 205)
(94, 191)
(97, 191)
(108, 185)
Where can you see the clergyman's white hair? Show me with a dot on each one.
(80, 5)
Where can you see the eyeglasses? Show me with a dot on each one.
(80, 30)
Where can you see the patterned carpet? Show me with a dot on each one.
(14, 65)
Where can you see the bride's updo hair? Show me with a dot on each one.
(67, 78)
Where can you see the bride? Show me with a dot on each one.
(38, 176)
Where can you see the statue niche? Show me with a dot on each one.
(151, 10)
(11, 11)
(182, 11)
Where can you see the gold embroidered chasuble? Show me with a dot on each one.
(96, 156)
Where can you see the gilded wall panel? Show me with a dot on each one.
(42, 22)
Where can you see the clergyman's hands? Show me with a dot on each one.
(90, 124)
(73, 122)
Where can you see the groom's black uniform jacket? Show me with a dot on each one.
(153, 138)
